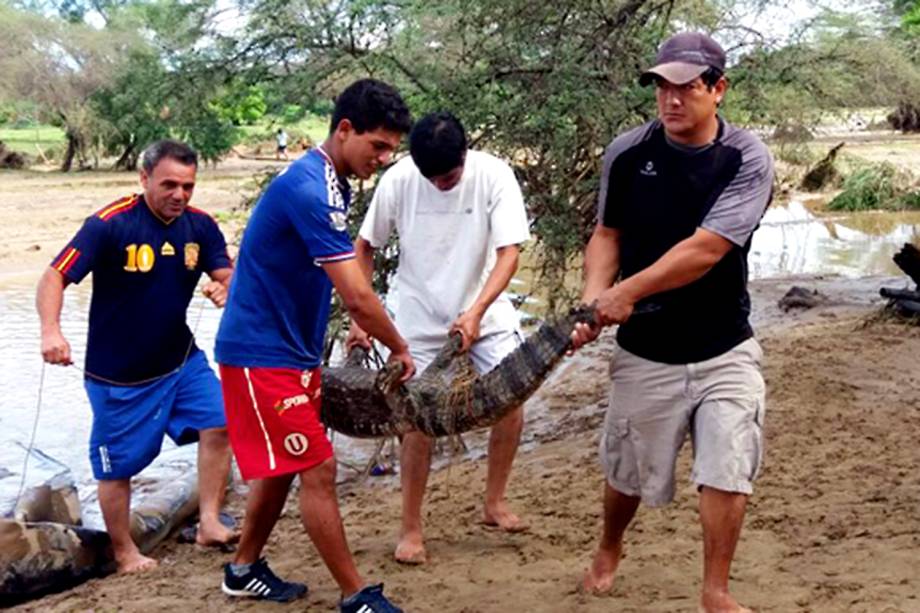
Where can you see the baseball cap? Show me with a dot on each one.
(684, 57)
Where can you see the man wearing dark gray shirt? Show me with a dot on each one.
(680, 198)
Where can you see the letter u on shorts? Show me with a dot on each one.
(273, 420)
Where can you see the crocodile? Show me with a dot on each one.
(448, 397)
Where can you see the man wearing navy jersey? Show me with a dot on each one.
(679, 200)
(144, 375)
(295, 249)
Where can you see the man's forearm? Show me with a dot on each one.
(364, 253)
(49, 299)
(368, 312)
(681, 265)
(602, 263)
(505, 266)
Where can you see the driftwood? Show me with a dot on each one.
(823, 173)
(44, 555)
(908, 260)
(905, 301)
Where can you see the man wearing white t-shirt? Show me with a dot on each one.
(460, 219)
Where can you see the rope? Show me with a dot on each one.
(188, 351)
(25, 462)
(41, 387)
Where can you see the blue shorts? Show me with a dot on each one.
(129, 421)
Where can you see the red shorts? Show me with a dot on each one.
(273, 420)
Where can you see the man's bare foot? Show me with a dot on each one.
(500, 516)
(134, 562)
(720, 602)
(212, 533)
(411, 549)
(598, 578)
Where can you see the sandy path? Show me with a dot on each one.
(833, 526)
(40, 211)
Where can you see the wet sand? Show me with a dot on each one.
(834, 524)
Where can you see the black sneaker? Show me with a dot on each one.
(260, 582)
(369, 600)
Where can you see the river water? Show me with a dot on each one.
(791, 240)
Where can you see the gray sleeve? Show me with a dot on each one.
(737, 212)
(620, 144)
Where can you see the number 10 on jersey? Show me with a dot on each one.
(140, 259)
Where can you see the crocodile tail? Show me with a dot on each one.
(493, 395)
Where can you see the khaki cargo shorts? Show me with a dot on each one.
(653, 406)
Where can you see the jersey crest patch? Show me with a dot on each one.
(338, 221)
(191, 255)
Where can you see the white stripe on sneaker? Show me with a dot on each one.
(255, 407)
(250, 584)
(365, 609)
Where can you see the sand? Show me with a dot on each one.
(40, 211)
(834, 524)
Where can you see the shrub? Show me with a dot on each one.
(880, 186)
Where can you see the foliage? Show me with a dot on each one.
(241, 104)
(879, 186)
(58, 66)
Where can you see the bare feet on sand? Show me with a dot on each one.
(134, 562)
(598, 578)
(720, 602)
(215, 534)
(500, 516)
(411, 549)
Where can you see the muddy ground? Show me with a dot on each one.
(834, 524)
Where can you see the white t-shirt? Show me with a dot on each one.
(447, 243)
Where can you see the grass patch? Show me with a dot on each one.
(25, 139)
(314, 127)
(879, 186)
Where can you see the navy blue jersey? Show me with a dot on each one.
(278, 308)
(144, 274)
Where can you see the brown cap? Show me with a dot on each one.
(684, 57)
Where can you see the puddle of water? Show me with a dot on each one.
(791, 240)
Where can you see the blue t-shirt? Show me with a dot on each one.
(278, 308)
(144, 274)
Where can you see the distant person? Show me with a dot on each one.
(460, 218)
(281, 138)
(270, 343)
(144, 375)
(679, 200)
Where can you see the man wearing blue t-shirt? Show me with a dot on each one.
(270, 343)
(144, 375)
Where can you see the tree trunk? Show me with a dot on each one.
(72, 146)
(127, 161)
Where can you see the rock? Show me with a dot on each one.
(801, 298)
(11, 159)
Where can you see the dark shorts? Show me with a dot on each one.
(273, 420)
(129, 421)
